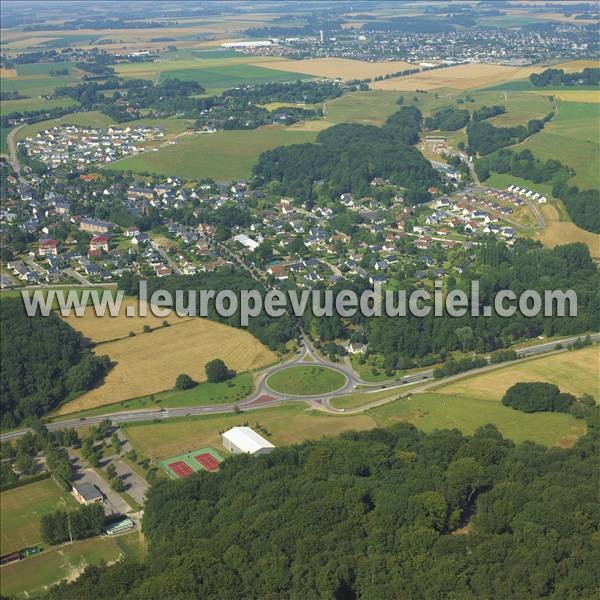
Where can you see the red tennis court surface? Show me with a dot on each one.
(180, 468)
(208, 461)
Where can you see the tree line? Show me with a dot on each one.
(373, 514)
(588, 77)
(43, 361)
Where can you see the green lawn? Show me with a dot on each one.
(22, 509)
(503, 180)
(229, 76)
(4, 131)
(33, 575)
(92, 118)
(223, 156)
(306, 381)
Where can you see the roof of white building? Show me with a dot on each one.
(246, 439)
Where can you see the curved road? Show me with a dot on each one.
(264, 397)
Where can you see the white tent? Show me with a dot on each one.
(245, 440)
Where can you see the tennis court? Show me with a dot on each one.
(184, 465)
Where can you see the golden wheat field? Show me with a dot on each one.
(102, 329)
(587, 96)
(460, 77)
(150, 362)
(343, 68)
(576, 372)
(559, 232)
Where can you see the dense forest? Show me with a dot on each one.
(347, 157)
(589, 77)
(42, 361)
(386, 513)
(583, 206)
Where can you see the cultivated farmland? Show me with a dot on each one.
(102, 329)
(460, 77)
(342, 68)
(150, 362)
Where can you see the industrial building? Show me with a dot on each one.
(239, 440)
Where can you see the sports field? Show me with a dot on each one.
(342, 68)
(188, 463)
(32, 576)
(150, 362)
(223, 156)
(306, 381)
(22, 509)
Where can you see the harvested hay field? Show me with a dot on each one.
(587, 96)
(558, 232)
(150, 362)
(343, 68)
(105, 328)
(576, 372)
(460, 77)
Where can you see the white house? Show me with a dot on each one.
(239, 440)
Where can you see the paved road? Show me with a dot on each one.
(263, 396)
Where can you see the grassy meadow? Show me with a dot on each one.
(306, 380)
(22, 509)
(223, 156)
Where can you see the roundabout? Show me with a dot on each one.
(306, 380)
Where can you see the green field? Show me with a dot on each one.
(33, 86)
(4, 131)
(306, 381)
(503, 180)
(43, 68)
(230, 76)
(33, 575)
(22, 509)
(30, 104)
(223, 156)
(370, 108)
(573, 137)
(233, 390)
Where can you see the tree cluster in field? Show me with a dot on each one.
(43, 361)
(373, 514)
(448, 119)
(583, 206)
(309, 92)
(484, 138)
(487, 112)
(18, 462)
(589, 77)
(59, 526)
(539, 396)
(216, 371)
(347, 157)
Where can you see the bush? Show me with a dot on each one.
(538, 397)
(216, 371)
(184, 382)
